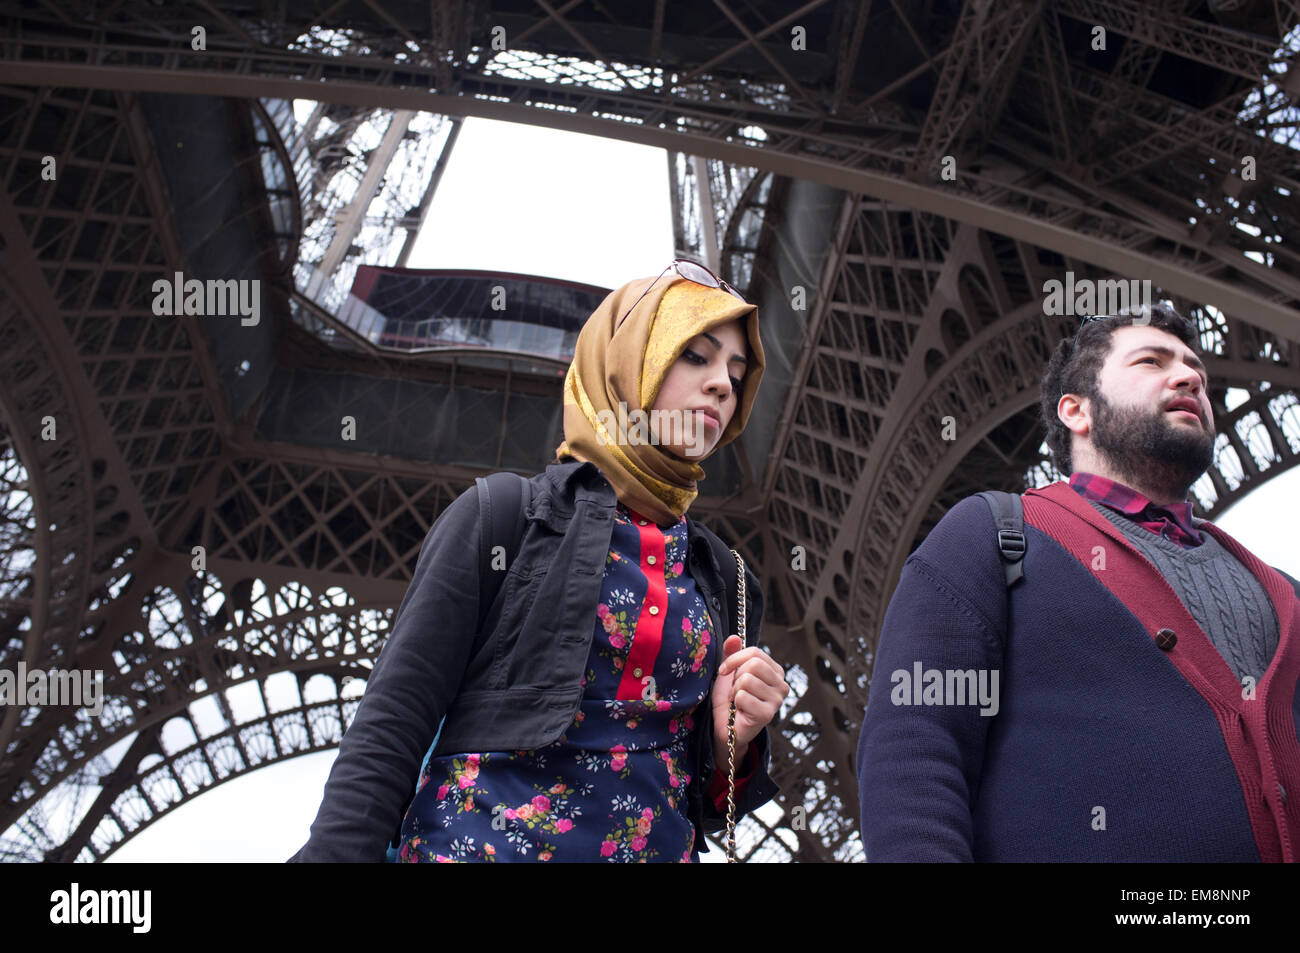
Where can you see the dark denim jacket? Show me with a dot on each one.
(518, 688)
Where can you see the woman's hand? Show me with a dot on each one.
(758, 684)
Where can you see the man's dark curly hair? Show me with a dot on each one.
(1077, 361)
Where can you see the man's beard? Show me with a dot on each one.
(1150, 450)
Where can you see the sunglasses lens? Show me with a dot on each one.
(696, 273)
(702, 276)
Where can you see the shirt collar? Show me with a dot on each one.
(1130, 502)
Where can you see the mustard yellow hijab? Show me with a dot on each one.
(629, 364)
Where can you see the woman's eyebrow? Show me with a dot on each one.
(718, 345)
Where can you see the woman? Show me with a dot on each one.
(590, 723)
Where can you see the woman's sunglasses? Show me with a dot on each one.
(691, 271)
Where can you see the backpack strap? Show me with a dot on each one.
(1009, 521)
(504, 526)
(501, 524)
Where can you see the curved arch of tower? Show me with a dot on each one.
(893, 184)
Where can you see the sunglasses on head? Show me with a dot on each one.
(691, 271)
(1143, 311)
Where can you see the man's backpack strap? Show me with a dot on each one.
(1009, 521)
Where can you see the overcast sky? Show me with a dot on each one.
(535, 201)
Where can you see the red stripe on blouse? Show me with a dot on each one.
(649, 633)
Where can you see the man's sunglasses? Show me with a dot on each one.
(691, 271)
(1142, 312)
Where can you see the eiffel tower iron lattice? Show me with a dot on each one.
(894, 193)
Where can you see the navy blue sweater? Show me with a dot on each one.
(1111, 741)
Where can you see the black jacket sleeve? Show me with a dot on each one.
(414, 680)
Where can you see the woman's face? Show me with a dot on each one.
(703, 386)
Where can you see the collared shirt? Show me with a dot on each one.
(1173, 522)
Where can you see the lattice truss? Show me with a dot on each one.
(1127, 161)
(737, 196)
(349, 220)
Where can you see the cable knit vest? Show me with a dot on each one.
(1227, 602)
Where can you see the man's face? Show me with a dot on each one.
(1152, 421)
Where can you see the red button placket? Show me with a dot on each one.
(649, 633)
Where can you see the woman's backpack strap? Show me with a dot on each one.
(503, 500)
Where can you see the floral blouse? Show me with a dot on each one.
(613, 787)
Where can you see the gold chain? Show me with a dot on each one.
(731, 717)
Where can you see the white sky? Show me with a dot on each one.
(534, 201)
(542, 202)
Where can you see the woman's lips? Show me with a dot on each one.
(710, 418)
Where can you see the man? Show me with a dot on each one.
(1136, 688)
